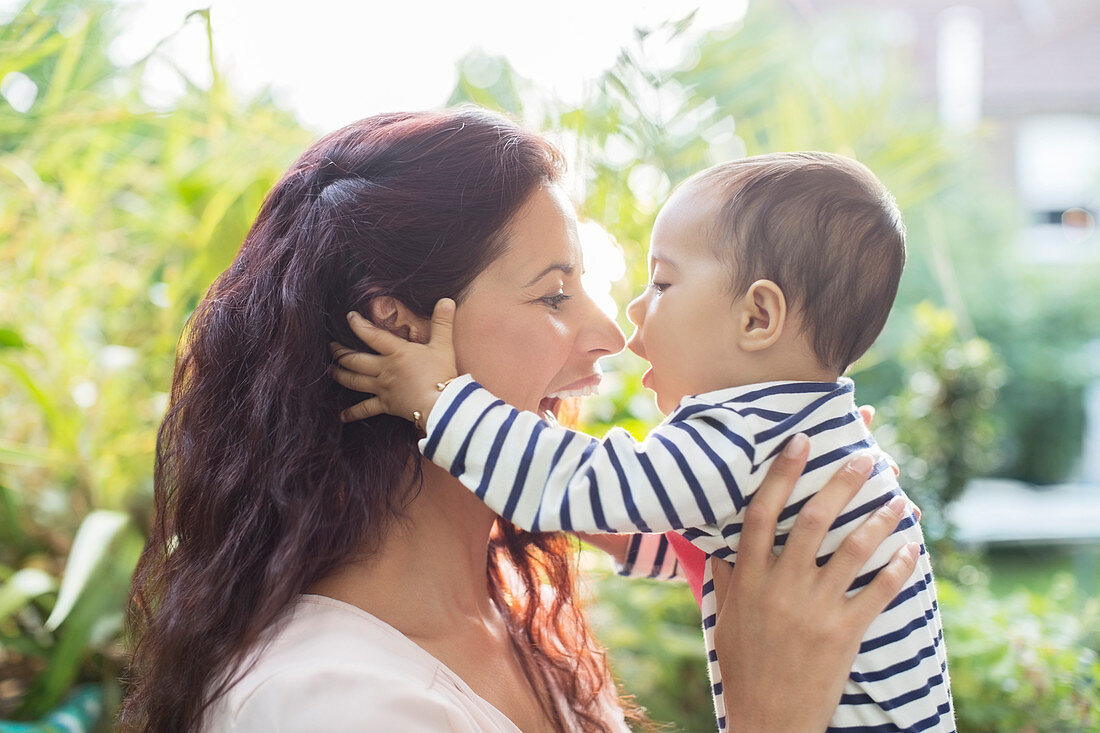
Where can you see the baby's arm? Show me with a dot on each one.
(638, 555)
(685, 474)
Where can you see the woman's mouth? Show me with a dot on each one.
(589, 385)
(548, 408)
(647, 378)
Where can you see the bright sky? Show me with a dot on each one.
(334, 61)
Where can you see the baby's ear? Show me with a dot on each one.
(387, 312)
(763, 315)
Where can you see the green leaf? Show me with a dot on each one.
(22, 588)
(10, 339)
(17, 455)
(11, 514)
(95, 588)
(95, 541)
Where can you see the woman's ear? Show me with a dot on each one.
(389, 313)
(764, 315)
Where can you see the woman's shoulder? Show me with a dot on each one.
(327, 665)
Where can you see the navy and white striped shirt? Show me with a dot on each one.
(695, 473)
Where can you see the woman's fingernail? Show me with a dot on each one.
(352, 315)
(861, 464)
(913, 550)
(343, 417)
(796, 446)
(896, 505)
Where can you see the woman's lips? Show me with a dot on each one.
(647, 377)
(589, 385)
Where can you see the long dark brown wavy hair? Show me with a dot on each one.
(260, 490)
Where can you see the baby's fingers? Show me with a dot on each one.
(378, 339)
(363, 410)
(356, 361)
(443, 322)
(354, 380)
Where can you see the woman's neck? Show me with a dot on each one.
(428, 575)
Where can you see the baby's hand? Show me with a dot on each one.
(405, 377)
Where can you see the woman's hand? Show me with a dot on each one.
(405, 377)
(787, 634)
(867, 412)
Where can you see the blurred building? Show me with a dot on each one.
(1028, 73)
(1024, 75)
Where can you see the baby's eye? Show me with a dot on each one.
(659, 287)
(555, 300)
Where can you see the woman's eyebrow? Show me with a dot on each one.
(664, 261)
(566, 268)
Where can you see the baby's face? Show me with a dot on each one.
(686, 320)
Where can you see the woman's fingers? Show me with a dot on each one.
(873, 599)
(758, 532)
(867, 412)
(378, 339)
(363, 410)
(857, 548)
(816, 516)
(354, 380)
(443, 322)
(722, 572)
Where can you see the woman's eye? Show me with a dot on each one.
(555, 300)
(659, 287)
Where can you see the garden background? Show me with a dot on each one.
(116, 212)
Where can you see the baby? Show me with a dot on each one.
(769, 276)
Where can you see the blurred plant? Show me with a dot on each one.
(114, 217)
(1021, 663)
(940, 427)
(656, 644)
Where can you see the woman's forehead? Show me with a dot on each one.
(541, 240)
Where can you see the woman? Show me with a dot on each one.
(319, 575)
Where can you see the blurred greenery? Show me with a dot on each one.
(116, 213)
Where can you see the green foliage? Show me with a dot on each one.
(939, 427)
(656, 644)
(114, 217)
(1022, 662)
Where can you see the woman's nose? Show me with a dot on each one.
(601, 333)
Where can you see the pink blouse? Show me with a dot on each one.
(332, 666)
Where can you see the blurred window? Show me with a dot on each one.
(1058, 177)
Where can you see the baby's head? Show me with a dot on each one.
(773, 267)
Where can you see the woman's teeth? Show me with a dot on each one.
(582, 392)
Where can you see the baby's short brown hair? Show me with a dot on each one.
(825, 230)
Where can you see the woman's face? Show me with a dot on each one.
(526, 329)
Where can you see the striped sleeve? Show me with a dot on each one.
(650, 556)
(686, 473)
